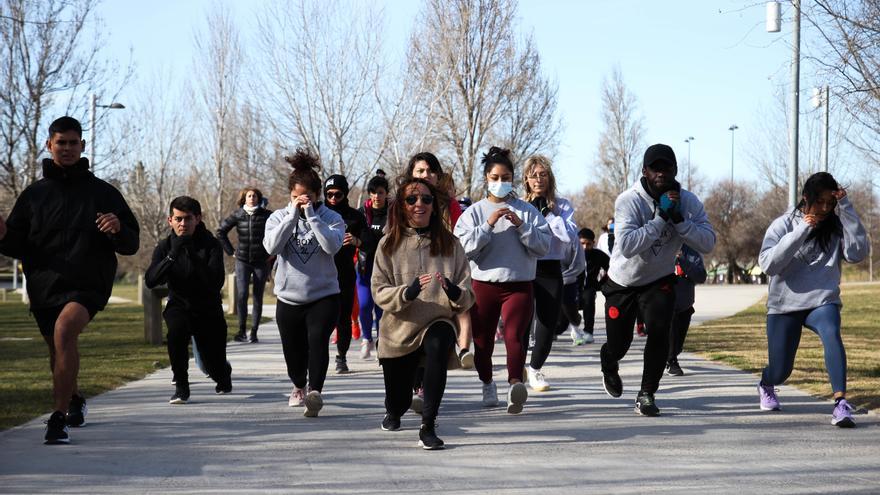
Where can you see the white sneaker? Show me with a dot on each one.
(490, 394)
(366, 348)
(577, 337)
(517, 395)
(297, 395)
(536, 380)
(588, 338)
(313, 402)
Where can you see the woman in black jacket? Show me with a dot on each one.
(251, 258)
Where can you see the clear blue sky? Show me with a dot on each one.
(695, 66)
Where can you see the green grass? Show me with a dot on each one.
(741, 341)
(112, 352)
(129, 291)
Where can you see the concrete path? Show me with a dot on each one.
(711, 437)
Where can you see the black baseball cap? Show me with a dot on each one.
(659, 156)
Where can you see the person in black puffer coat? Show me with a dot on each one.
(251, 258)
(356, 232)
(66, 229)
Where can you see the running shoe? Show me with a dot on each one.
(842, 415)
(56, 429)
(366, 348)
(390, 423)
(253, 338)
(645, 405)
(577, 338)
(466, 359)
(588, 338)
(767, 393)
(341, 365)
(428, 438)
(517, 395)
(313, 402)
(76, 412)
(296, 397)
(223, 387)
(673, 368)
(241, 336)
(537, 380)
(418, 401)
(490, 394)
(612, 383)
(181, 394)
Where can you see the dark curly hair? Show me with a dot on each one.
(305, 171)
(496, 156)
(830, 226)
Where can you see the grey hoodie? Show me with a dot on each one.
(305, 270)
(802, 275)
(645, 245)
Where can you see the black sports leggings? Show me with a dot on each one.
(346, 302)
(400, 373)
(305, 337)
(209, 330)
(548, 305)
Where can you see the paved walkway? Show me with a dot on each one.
(573, 439)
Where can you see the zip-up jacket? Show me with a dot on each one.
(52, 230)
(356, 225)
(195, 274)
(250, 230)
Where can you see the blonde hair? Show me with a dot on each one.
(531, 163)
(243, 195)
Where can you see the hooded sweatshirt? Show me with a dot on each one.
(574, 264)
(564, 230)
(803, 275)
(645, 244)
(305, 246)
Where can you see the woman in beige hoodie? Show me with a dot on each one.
(421, 280)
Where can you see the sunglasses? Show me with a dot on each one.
(426, 199)
(335, 195)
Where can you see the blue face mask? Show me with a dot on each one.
(500, 189)
(611, 227)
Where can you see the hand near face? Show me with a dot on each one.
(347, 239)
(302, 200)
(839, 194)
(811, 220)
(108, 223)
(674, 195)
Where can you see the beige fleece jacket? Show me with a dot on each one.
(405, 323)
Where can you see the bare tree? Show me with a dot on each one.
(219, 67)
(621, 143)
(321, 64)
(49, 60)
(734, 213)
(473, 45)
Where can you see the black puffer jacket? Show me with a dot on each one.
(194, 275)
(52, 230)
(376, 220)
(250, 229)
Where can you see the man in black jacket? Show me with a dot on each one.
(597, 267)
(190, 261)
(66, 229)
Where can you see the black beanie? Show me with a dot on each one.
(659, 154)
(336, 181)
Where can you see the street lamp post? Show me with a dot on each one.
(773, 22)
(821, 98)
(689, 140)
(732, 128)
(93, 110)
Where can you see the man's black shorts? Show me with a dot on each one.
(46, 317)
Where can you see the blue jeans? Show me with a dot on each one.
(784, 336)
(366, 307)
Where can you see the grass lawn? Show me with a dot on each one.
(112, 352)
(741, 341)
(129, 291)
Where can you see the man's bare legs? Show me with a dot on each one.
(64, 352)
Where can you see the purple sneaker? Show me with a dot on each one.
(769, 402)
(842, 415)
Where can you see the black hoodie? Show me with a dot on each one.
(356, 225)
(194, 275)
(52, 230)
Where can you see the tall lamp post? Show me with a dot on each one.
(821, 98)
(732, 128)
(689, 140)
(773, 25)
(93, 110)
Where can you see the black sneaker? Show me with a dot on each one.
(673, 369)
(253, 339)
(181, 394)
(341, 366)
(390, 423)
(428, 439)
(56, 429)
(241, 336)
(612, 383)
(76, 412)
(224, 387)
(645, 405)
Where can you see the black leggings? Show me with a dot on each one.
(343, 322)
(655, 303)
(243, 273)
(305, 337)
(548, 305)
(208, 328)
(400, 373)
(570, 313)
(678, 332)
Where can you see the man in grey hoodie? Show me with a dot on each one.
(652, 220)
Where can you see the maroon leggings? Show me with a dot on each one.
(514, 303)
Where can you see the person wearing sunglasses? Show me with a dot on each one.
(503, 237)
(422, 281)
(356, 230)
(305, 236)
(540, 188)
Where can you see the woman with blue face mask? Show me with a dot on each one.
(503, 237)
